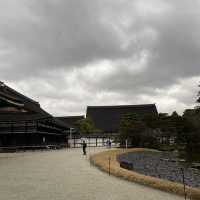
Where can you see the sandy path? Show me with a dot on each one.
(65, 175)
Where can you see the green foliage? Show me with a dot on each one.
(183, 130)
(86, 126)
(151, 121)
(193, 116)
(134, 130)
(162, 127)
(192, 129)
(166, 125)
(128, 125)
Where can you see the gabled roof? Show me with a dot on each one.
(18, 98)
(107, 118)
(34, 111)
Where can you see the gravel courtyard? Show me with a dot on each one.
(65, 175)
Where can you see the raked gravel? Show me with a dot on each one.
(65, 175)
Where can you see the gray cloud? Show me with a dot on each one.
(174, 54)
(101, 52)
(63, 34)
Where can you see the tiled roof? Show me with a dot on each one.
(107, 118)
(71, 120)
(35, 112)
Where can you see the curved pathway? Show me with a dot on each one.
(65, 175)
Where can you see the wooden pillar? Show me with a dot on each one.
(37, 126)
(11, 127)
(67, 141)
(26, 127)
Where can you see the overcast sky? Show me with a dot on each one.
(68, 54)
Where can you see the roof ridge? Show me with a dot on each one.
(69, 116)
(128, 105)
(17, 93)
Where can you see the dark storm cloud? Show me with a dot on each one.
(173, 56)
(59, 34)
(101, 51)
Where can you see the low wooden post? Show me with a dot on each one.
(183, 175)
(109, 159)
(126, 143)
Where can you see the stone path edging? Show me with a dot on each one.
(101, 160)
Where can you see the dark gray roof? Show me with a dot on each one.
(107, 118)
(35, 112)
(28, 104)
(71, 120)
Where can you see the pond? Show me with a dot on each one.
(164, 165)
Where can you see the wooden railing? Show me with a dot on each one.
(28, 127)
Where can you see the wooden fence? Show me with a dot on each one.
(92, 141)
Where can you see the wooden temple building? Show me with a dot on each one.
(107, 118)
(23, 123)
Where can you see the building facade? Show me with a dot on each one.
(107, 118)
(23, 123)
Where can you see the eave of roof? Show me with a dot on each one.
(71, 117)
(35, 111)
(107, 118)
(123, 106)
